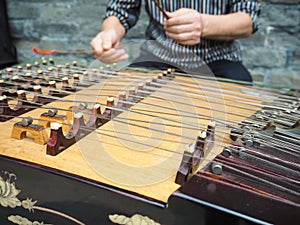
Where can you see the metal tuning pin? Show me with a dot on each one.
(226, 152)
(216, 168)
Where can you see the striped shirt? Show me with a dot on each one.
(167, 49)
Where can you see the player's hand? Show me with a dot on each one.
(185, 26)
(106, 47)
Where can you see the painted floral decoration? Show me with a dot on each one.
(9, 192)
(134, 220)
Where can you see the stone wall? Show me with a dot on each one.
(272, 54)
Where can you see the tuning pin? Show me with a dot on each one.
(52, 112)
(26, 121)
(226, 152)
(82, 106)
(242, 152)
(216, 168)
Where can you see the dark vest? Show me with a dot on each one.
(8, 55)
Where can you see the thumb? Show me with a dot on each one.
(169, 14)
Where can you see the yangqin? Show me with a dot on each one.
(82, 145)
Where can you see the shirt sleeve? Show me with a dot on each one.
(252, 8)
(127, 11)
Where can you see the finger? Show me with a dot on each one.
(117, 55)
(97, 46)
(183, 28)
(113, 55)
(114, 59)
(183, 38)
